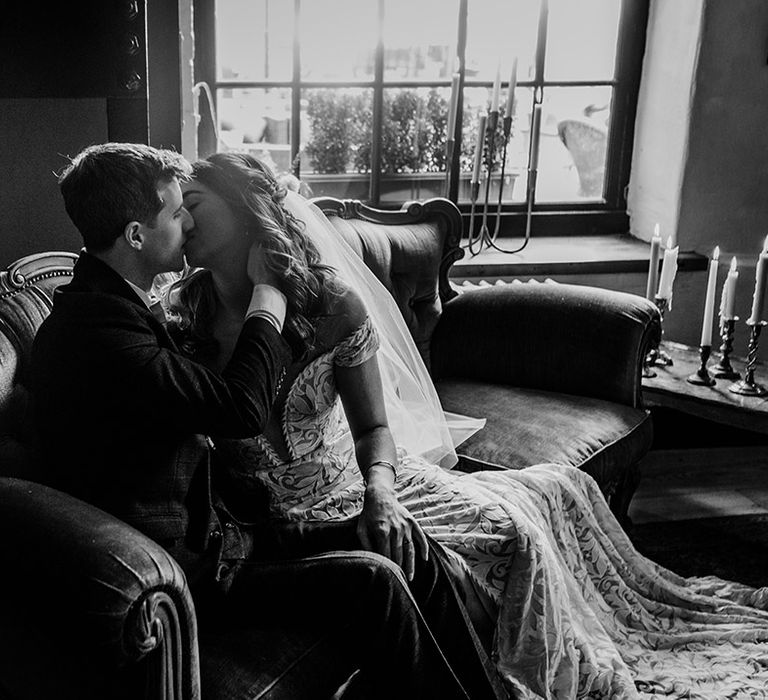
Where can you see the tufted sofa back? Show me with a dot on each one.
(26, 291)
(410, 251)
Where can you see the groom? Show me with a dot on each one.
(135, 413)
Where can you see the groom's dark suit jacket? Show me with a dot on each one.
(123, 415)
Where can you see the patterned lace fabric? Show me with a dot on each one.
(315, 481)
(581, 614)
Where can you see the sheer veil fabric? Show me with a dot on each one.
(417, 421)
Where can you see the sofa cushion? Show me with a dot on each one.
(603, 438)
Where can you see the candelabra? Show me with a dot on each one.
(748, 386)
(724, 369)
(657, 356)
(484, 238)
(648, 373)
(474, 191)
(701, 376)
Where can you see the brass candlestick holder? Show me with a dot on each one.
(701, 376)
(648, 373)
(490, 135)
(657, 356)
(483, 238)
(506, 131)
(474, 191)
(724, 369)
(748, 386)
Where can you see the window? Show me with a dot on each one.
(353, 96)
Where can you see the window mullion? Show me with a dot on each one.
(204, 19)
(296, 93)
(541, 44)
(377, 122)
(538, 94)
(461, 53)
(630, 47)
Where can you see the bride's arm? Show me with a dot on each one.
(385, 526)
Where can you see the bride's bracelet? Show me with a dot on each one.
(384, 463)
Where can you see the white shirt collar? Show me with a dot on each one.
(148, 301)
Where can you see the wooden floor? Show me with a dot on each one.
(687, 484)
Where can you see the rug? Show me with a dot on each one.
(734, 547)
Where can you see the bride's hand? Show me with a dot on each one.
(386, 527)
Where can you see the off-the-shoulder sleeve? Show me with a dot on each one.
(357, 347)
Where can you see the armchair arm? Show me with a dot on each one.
(98, 583)
(567, 338)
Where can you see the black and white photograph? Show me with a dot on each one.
(384, 350)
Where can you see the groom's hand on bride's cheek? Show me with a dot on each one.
(258, 272)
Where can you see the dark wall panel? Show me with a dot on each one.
(163, 80)
(88, 48)
(38, 136)
(71, 74)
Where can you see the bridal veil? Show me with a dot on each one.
(417, 421)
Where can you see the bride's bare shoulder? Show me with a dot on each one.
(343, 312)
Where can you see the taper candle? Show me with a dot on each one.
(496, 89)
(728, 298)
(668, 271)
(758, 296)
(510, 105)
(653, 265)
(709, 299)
(479, 147)
(535, 129)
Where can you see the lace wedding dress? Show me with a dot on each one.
(580, 613)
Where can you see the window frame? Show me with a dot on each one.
(556, 218)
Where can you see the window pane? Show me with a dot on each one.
(413, 143)
(574, 135)
(257, 121)
(581, 39)
(336, 142)
(338, 39)
(254, 39)
(420, 39)
(498, 30)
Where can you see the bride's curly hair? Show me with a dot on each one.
(250, 188)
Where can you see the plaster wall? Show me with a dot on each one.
(663, 117)
(700, 159)
(724, 193)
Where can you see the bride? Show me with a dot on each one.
(357, 429)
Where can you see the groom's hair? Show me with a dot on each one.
(108, 185)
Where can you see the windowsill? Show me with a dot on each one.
(560, 255)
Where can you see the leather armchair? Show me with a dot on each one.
(554, 368)
(556, 371)
(87, 598)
